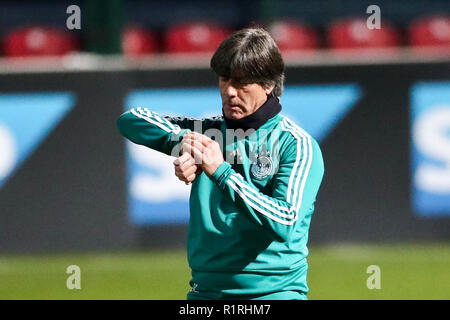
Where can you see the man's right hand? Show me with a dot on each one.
(185, 168)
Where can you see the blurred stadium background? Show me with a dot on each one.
(73, 192)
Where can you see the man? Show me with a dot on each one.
(249, 215)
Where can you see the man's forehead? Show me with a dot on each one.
(243, 81)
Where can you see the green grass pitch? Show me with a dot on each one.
(335, 272)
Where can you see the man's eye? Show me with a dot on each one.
(238, 84)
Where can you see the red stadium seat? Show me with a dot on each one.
(354, 34)
(39, 41)
(195, 37)
(293, 37)
(432, 31)
(137, 41)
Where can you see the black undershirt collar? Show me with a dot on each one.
(268, 110)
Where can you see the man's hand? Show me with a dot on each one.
(185, 168)
(206, 152)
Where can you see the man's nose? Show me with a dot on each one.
(231, 91)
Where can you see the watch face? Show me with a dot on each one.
(262, 167)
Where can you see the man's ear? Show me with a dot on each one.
(269, 90)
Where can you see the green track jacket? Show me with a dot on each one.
(249, 222)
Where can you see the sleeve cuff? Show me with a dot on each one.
(221, 175)
(179, 136)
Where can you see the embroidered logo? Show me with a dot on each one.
(194, 288)
(262, 167)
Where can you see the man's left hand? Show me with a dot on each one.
(206, 152)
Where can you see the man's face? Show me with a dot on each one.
(240, 100)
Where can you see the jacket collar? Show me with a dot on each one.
(268, 110)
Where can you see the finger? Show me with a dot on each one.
(184, 173)
(193, 140)
(183, 177)
(196, 153)
(205, 140)
(195, 143)
(180, 176)
(187, 148)
(188, 164)
(193, 134)
(185, 166)
(182, 159)
(178, 170)
(189, 171)
(191, 178)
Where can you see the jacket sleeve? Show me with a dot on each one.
(144, 127)
(293, 194)
(196, 124)
(184, 122)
